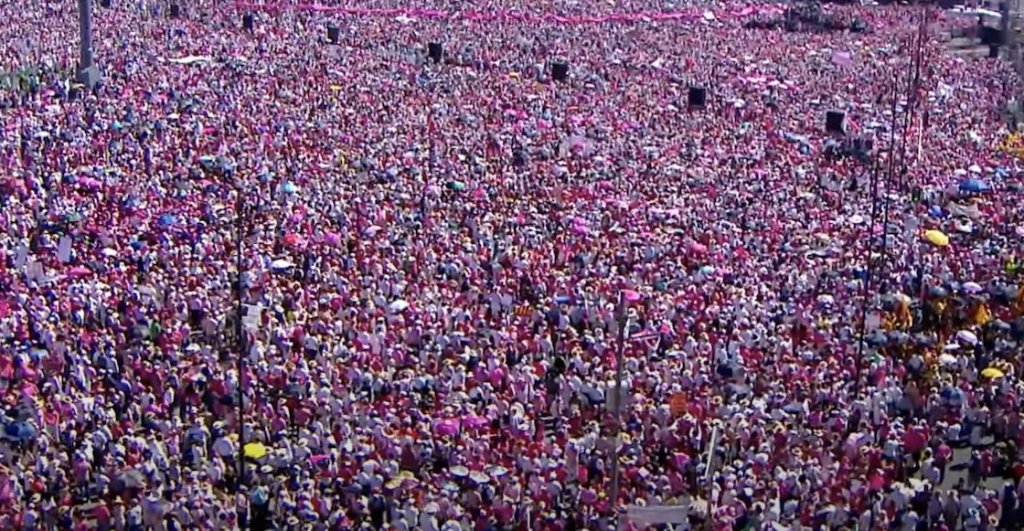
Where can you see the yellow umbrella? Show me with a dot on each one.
(936, 238)
(255, 450)
(992, 373)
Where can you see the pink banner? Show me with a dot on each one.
(500, 16)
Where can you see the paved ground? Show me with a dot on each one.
(958, 470)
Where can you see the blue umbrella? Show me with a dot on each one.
(290, 188)
(974, 186)
(936, 212)
(21, 431)
(167, 220)
(950, 393)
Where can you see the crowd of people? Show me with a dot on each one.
(403, 289)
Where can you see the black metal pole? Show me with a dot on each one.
(622, 318)
(87, 73)
(866, 289)
(240, 334)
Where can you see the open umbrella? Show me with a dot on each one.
(332, 238)
(167, 220)
(992, 373)
(936, 238)
(255, 450)
(79, 272)
(967, 336)
(497, 471)
(281, 264)
(975, 186)
(20, 431)
(972, 287)
(398, 305)
(877, 338)
(457, 186)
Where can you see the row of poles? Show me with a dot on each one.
(896, 161)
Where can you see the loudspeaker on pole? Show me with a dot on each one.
(835, 122)
(696, 97)
(435, 51)
(559, 71)
(333, 34)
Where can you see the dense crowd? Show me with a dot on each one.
(440, 266)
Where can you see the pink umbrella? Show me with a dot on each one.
(332, 238)
(90, 183)
(698, 248)
(447, 428)
(580, 229)
(79, 272)
(475, 422)
(631, 295)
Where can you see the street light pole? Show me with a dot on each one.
(621, 317)
(240, 331)
(87, 74)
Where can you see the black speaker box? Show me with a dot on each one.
(993, 51)
(435, 51)
(105, 4)
(834, 122)
(559, 71)
(175, 11)
(248, 22)
(333, 34)
(696, 97)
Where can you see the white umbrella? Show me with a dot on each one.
(459, 471)
(967, 337)
(497, 471)
(856, 219)
(972, 287)
(108, 252)
(281, 264)
(947, 359)
(398, 305)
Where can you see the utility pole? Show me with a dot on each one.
(88, 74)
(240, 331)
